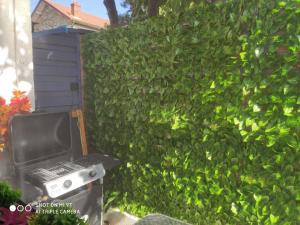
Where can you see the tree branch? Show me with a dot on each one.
(153, 7)
(112, 12)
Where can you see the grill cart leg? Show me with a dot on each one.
(101, 207)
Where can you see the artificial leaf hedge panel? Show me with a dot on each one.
(202, 107)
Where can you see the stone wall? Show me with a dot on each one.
(49, 19)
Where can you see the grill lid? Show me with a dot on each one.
(39, 136)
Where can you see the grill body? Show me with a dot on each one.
(48, 166)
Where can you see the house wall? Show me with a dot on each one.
(48, 18)
(16, 67)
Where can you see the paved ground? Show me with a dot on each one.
(115, 217)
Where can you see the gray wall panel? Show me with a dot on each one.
(57, 68)
(47, 54)
(63, 39)
(53, 86)
(38, 45)
(58, 98)
(43, 69)
(57, 78)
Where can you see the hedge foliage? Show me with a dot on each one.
(204, 109)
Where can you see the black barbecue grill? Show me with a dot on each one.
(49, 167)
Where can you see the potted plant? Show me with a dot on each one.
(8, 201)
(8, 196)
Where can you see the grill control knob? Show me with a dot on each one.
(92, 173)
(67, 184)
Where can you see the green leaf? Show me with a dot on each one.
(288, 111)
(271, 140)
(274, 219)
(105, 90)
(234, 208)
(291, 141)
(256, 108)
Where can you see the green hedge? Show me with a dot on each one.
(203, 108)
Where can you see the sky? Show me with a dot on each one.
(94, 7)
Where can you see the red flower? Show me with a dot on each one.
(2, 101)
(19, 103)
(7, 217)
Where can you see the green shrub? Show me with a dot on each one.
(8, 196)
(56, 215)
(203, 108)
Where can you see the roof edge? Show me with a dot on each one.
(60, 30)
(37, 5)
(58, 10)
(81, 22)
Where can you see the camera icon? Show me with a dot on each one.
(20, 208)
(12, 208)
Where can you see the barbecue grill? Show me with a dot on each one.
(48, 165)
